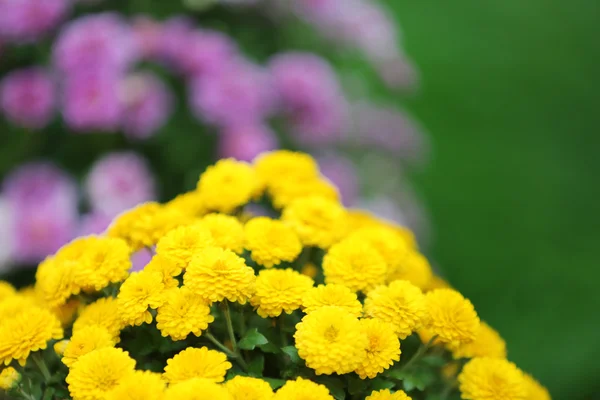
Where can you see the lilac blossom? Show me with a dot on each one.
(172, 42)
(342, 173)
(205, 52)
(27, 98)
(5, 234)
(244, 142)
(140, 259)
(148, 37)
(94, 223)
(29, 20)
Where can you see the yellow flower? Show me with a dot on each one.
(141, 290)
(228, 185)
(57, 281)
(103, 312)
(492, 379)
(317, 221)
(11, 306)
(167, 268)
(26, 332)
(217, 274)
(227, 231)
(535, 391)
(280, 165)
(6, 290)
(414, 268)
(271, 241)
(401, 304)
(197, 363)
(86, 340)
(181, 244)
(246, 388)
(390, 245)
(382, 350)
(452, 317)
(141, 385)
(387, 395)
(60, 346)
(9, 377)
(436, 283)
(66, 312)
(355, 264)
(189, 204)
(286, 191)
(487, 343)
(309, 269)
(197, 389)
(331, 295)
(279, 290)
(331, 340)
(303, 389)
(97, 373)
(184, 312)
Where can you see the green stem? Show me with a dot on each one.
(280, 322)
(26, 395)
(220, 345)
(41, 364)
(227, 314)
(448, 389)
(242, 322)
(420, 353)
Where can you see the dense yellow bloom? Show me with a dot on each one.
(387, 395)
(181, 244)
(331, 295)
(217, 274)
(331, 340)
(390, 245)
(246, 388)
(189, 204)
(27, 332)
(492, 379)
(303, 389)
(141, 385)
(228, 185)
(354, 263)
(535, 391)
(436, 283)
(141, 290)
(382, 350)
(60, 346)
(271, 241)
(9, 377)
(227, 231)
(66, 312)
(452, 317)
(414, 268)
(97, 373)
(286, 191)
(6, 290)
(197, 389)
(184, 312)
(401, 304)
(487, 343)
(275, 166)
(12, 305)
(318, 221)
(279, 290)
(84, 341)
(57, 281)
(103, 312)
(167, 268)
(197, 363)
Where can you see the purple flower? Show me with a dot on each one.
(27, 98)
(206, 52)
(148, 36)
(147, 104)
(342, 173)
(244, 142)
(28, 20)
(140, 259)
(102, 41)
(93, 224)
(5, 234)
(119, 181)
(238, 94)
(91, 101)
(173, 40)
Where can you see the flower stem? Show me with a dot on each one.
(41, 364)
(420, 353)
(26, 395)
(280, 322)
(229, 325)
(220, 345)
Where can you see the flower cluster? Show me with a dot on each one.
(315, 301)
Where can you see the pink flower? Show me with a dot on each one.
(93, 224)
(205, 52)
(244, 142)
(28, 20)
(148, 35)
(173, 39)
(342, 173)
(27, 98)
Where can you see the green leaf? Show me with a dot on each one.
(256, 366)
(251, 339)
(269, 348)
(48, 394)
(408, 385)
(275, 383)
(434, 361)
(292, 353)
(356, 385)
(335, 385)
(380, 384)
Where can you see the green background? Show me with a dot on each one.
(510, 97)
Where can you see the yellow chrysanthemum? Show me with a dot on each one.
(26, 332)
(60, 347)
(303, 389)
(184, 312)
(103, 312)
(452, 317)
(141, 385)
(12, 305)
(535, 391)
(309, 269)
(167, 268)
(437, 283)
(57, 281)
(382, 350)
(86, 340)
(492, 379)
(227, 231)
(280, 165)
(331, 295)
(271, 241)
(217, 274)
(286, 191)
(6, 290)
(228, 185)
(318, 221)
(487, 343)
(401, 304)
(97, 373)
(66, 313)
(354, 263)
(189, 204)
(414, 268)
(331, 340)
(142, 290)
(197, 363)
(246, 388)
(9, 377)
(390, 245)
(279, 290)
(197, 389)
(181, 244)
(387, 395)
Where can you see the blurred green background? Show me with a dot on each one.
(510, 97)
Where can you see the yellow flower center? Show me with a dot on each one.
(331, 333)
